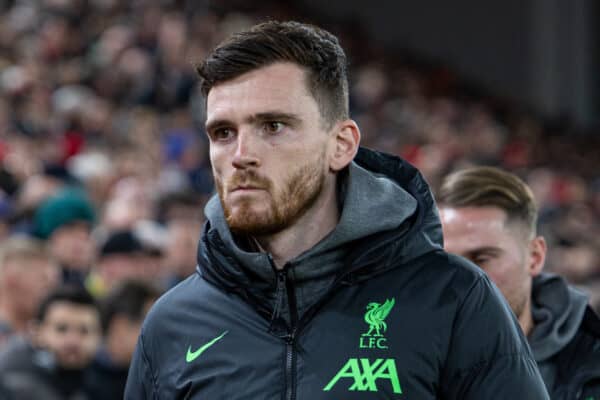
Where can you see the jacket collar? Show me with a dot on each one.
(344, 255)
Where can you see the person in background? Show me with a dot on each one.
(489, 216)
(154, 238)
(181, 213)
(321, 269)
(180, 252)
(65, 220)
(122, 310)
(27, 274)
(52, 365)
(121, 256)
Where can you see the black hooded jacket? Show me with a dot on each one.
(376, 310)
(565, 340)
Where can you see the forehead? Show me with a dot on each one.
(71, 231)
(65, 312)
(470, 227)
(32, 260)
(474, 217)
(279, 86)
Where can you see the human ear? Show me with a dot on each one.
(346, 139)
(537, 255)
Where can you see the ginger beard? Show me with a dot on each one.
(298, 193)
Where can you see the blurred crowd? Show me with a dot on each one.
(104, 167)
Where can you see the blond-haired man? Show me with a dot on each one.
(489, 216)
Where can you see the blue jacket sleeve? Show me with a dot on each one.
(141, 380)
(489, 357)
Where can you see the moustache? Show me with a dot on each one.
(248, 179)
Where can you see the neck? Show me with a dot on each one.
(526, 319)
(306, 232)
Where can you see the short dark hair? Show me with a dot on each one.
(491, 187)
(308, 46)
(73, 294)
(128, 298)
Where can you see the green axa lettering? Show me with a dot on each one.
(365, 375)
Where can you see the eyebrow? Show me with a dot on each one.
(484, 250)
(275, 116)
(264, 116)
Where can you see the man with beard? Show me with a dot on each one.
(489, 216)
(320, 270)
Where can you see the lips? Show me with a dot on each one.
(247, 181)
(246, 187)
(243, 188)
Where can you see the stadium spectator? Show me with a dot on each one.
(180, 252)
(489, 216)
(128, 203)
(181, 213)
(52, 365)
(65, 220)
(123, 309)
(301, 240)
(154, 238)
(122, 256)
(27, 274)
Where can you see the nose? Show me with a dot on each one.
(73, 338)
(246, 151)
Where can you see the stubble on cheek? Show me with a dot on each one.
(299, 191)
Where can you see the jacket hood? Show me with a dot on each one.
(388, 217)
(557, 310)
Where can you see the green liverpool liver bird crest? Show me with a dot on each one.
(375, 317)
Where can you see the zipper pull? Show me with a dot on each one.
(278, 326)
(290, 337)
